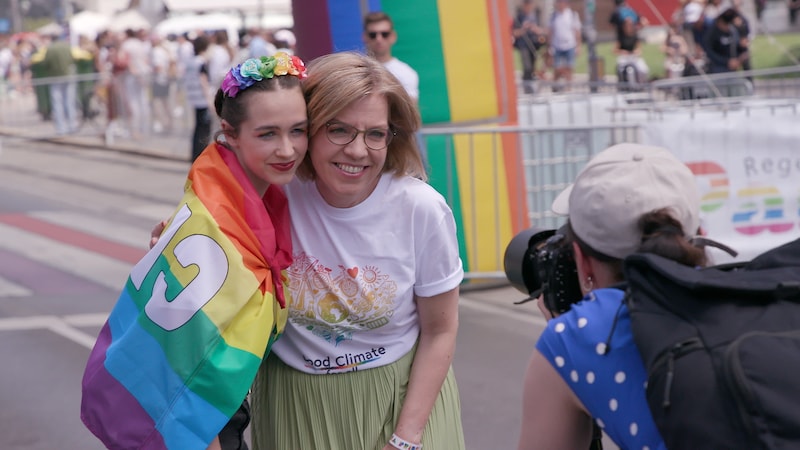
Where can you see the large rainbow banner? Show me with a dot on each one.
(462, 51)
(177, 355)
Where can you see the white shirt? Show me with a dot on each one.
(563, 26)
(408, 77)
(356, 271)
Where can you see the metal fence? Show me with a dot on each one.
(559, 133)
(549, 158)
(106, 108)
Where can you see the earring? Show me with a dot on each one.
(588, 282)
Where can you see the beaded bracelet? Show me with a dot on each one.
(402, 444)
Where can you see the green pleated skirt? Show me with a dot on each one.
(294, 410)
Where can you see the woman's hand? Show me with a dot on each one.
(156, 232)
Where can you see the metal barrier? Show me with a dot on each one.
(549, 159)
(106, 108)
(560, 133)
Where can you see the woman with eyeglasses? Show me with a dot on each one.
(365, 359)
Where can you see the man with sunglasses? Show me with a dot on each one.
(380, 37)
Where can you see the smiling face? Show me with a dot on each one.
(272, 141)
(347, 174)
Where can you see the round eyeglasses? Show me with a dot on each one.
(374, 138)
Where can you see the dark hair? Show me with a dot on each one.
(614, 264)
(663, 235)
(200, 44)
(728, 15)
(234, 109)
(375, 17)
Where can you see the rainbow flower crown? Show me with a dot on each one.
(247, 73)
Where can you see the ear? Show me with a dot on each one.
(584, 264)
(229, 132)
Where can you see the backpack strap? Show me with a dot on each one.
(772, 275)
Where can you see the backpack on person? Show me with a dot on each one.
(722, 349)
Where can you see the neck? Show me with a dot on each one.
(384, 58)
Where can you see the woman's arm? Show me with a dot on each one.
(438, 317)
(552, 417)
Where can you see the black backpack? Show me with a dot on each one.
(722, 349)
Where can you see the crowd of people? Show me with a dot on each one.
(698, 40)
(141, 76)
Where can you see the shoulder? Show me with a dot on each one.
(412, 191)
(396, 66)
(586, 325)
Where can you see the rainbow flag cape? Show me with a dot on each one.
(199, 312)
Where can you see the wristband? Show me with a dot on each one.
(402, 444)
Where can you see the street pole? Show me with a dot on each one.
(16, 17)
(590, 34)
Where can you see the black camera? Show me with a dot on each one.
(541, 262)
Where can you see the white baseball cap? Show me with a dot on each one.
(618, 186)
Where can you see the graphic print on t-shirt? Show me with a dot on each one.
(335, 302)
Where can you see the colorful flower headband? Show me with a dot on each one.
(247, 73)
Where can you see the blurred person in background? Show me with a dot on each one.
(723, 44)
(199, 94)
(133, 60)
(529, 38)
(565, 40)
(163, 69)
(258, 45)
(59, 64)
(285, 41)
(380, 37)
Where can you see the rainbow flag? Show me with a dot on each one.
(198, 313)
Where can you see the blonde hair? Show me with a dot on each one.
(337, 81)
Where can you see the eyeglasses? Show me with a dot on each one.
(342, 134)
(374, 34)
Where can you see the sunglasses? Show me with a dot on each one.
(374, 34)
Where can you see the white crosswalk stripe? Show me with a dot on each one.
(101, 269)
(100, 227)
(11, 289)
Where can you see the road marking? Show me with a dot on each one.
(59, 325)
(97, 225)
(11, 289)
(77, 238)
(101, 269)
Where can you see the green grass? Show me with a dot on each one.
(766, 52)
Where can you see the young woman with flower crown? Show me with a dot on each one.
(265, 128)
(263, 140)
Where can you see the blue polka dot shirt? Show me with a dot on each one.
(606, 374)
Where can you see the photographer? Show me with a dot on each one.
(629, 198)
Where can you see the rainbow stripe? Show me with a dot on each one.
(462, 53)
(199, 311)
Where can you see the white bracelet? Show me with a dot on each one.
(402, 444)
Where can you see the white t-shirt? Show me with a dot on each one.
(219, 63)
(408, 77)
(356, 270)
(692, 12)
(563, 26)
(138, 55)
